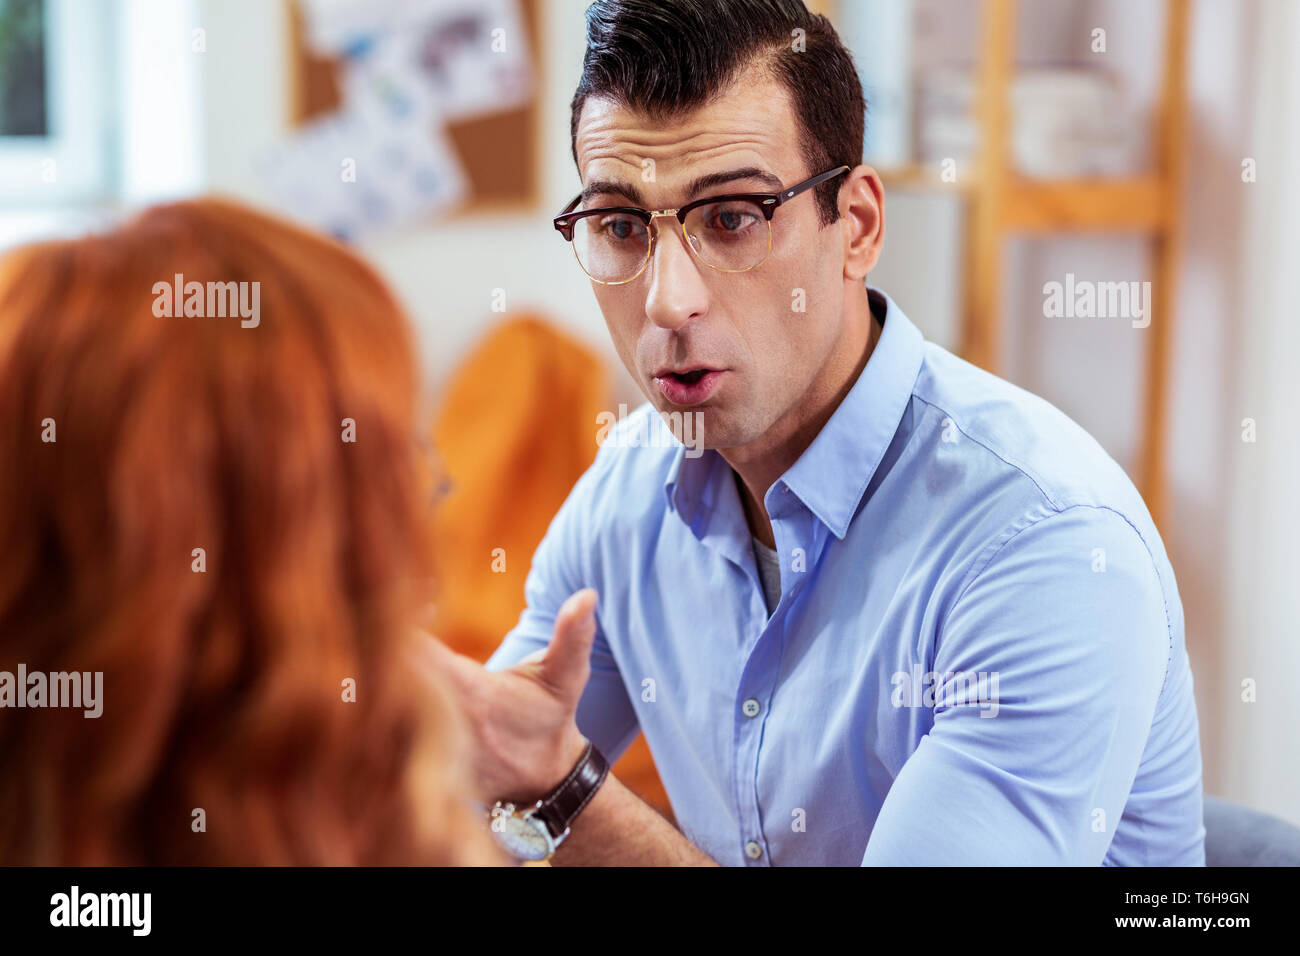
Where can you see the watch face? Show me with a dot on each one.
(525, 837)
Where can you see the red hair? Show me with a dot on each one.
(223, 687)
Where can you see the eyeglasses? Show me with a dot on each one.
(731, 233)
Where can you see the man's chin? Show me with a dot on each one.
(706, 427)
(694, 427)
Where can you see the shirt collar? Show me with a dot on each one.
(835, 469)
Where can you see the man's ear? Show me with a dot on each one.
(862, 221)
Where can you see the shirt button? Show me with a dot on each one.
(750, 708)
(753, 850)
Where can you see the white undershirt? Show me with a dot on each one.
(769, 572)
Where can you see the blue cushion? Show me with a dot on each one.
(1238, 836)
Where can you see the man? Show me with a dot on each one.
(898, 611)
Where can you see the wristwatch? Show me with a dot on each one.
(535, 832)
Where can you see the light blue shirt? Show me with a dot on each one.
(977, 657)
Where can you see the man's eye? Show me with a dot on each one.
(619, 227)
(731, 219)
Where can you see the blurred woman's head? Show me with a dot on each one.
(223, 514)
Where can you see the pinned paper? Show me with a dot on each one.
(341, 27)
(468, 58)
(409, 68)
(363, 170)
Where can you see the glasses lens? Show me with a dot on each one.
(611, 247)
(732, 236)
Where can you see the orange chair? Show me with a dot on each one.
(515, 429)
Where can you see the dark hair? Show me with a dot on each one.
(664, 58)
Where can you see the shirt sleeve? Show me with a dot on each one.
(1068, 626)
(560, 567)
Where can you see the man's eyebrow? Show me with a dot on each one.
(603, 187)
(713, 180)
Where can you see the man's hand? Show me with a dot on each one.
(525, 736)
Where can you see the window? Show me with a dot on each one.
(22, 68)
(56, 104)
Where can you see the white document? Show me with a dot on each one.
(340, 27)
(363, 170)
(464, 58)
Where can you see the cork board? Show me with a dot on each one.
(499, 153)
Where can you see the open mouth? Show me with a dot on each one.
(690, 387)
(689, 378)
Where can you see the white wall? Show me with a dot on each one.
(1261, 601)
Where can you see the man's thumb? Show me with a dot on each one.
(567, 663)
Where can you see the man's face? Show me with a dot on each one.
(679, 314)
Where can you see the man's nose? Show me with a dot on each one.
(677, 292)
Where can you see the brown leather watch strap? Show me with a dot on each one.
(562, 805)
